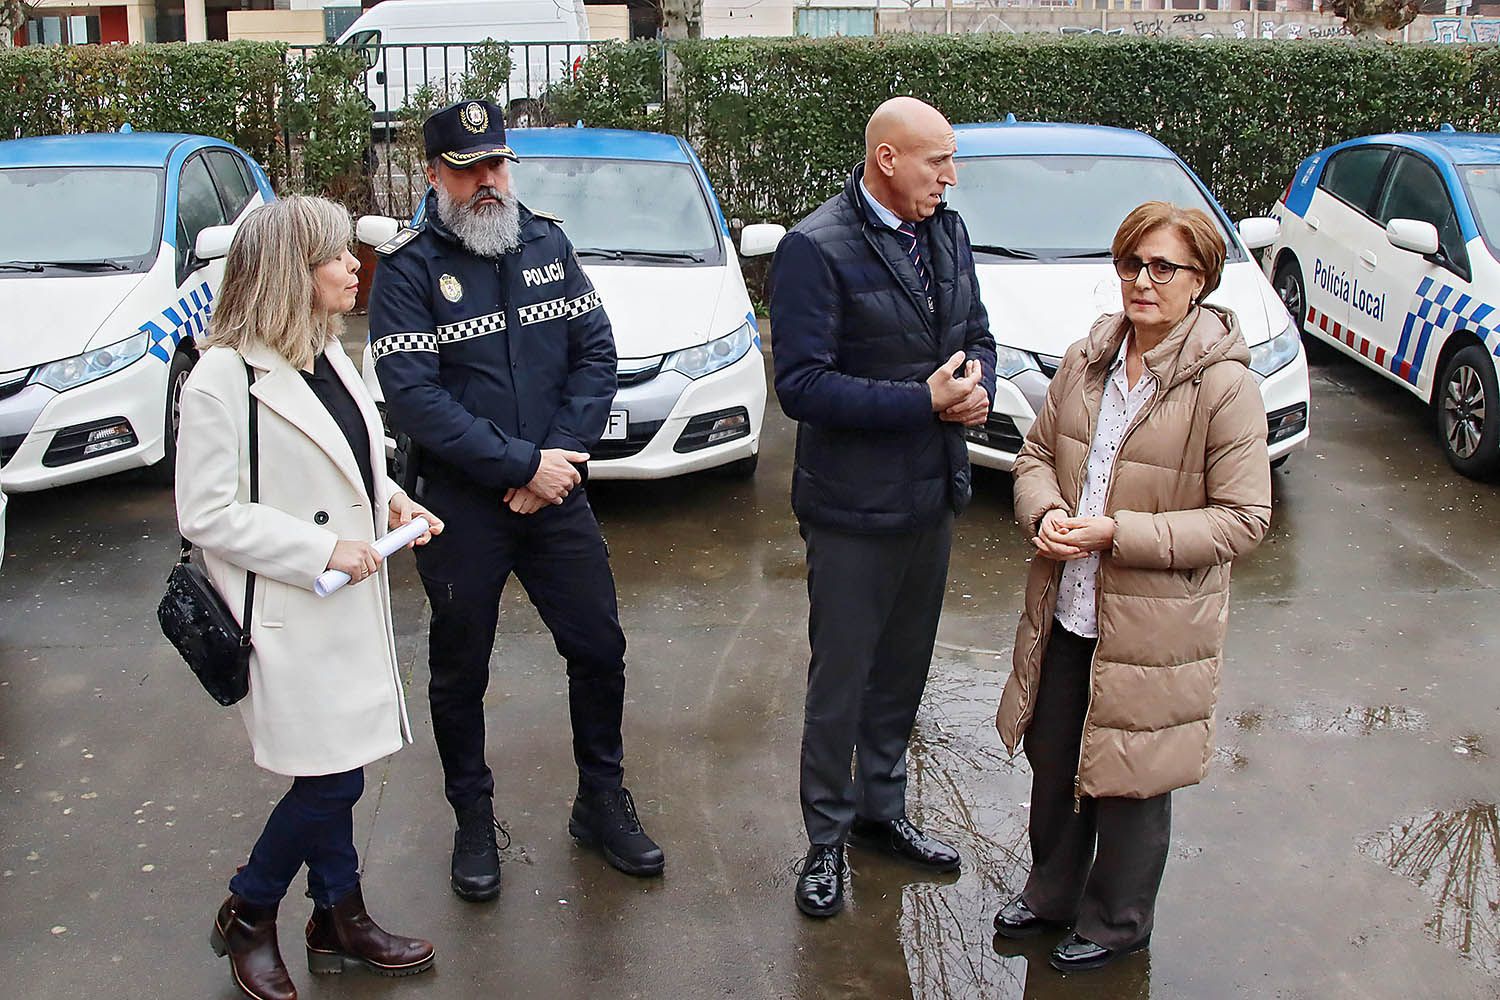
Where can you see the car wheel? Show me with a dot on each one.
(1292, 292)
(1468, 413)
(182, 363)
(743, 468)
(1279, 462)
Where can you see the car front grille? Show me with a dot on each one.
(637, 436)
(999, 432)
(9, 445)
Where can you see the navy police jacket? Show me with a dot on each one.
(854, 339)
(485, 361)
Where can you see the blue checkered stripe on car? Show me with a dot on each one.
(187, 318)
(1440, 308)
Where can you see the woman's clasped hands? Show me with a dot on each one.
(1065, 538)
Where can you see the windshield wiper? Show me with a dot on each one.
(19, 265)
(82, 265)
(1086, 254)
(622, 253)
(1001, 251)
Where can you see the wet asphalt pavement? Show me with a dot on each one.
(1346, 843)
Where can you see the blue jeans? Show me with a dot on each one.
(313, 823)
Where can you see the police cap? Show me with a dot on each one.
(466, 132)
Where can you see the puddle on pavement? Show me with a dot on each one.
(966, 789)
(1454, 857)
(1354, 720)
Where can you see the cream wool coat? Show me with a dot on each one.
(325, 693)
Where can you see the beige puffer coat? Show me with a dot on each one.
(1191, 490)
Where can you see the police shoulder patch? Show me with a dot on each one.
(547, 215)
(405, 236)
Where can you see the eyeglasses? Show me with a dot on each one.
(1160, 272)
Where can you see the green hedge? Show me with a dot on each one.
(305, 121)
(780, 122)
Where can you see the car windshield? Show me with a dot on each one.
(1050, 207)
(629, 208)
(1483, 185)
(73, 214)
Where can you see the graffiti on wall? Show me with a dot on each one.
(1454, 30)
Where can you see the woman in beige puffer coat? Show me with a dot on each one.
(1143, 478)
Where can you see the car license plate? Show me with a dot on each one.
(619, 424)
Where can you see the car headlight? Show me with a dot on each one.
(696, 362)
(1011, 361)
(69, 373)
(1276, 353)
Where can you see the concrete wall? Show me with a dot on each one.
(1179, 24)
(742, 18)
(295, 27)
(606, 22)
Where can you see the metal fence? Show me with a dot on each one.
(404, 82)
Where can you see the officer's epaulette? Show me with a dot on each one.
(403, 237)
(547, 215)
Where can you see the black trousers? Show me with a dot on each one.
(559, 556)
(874, 602)
(1098, 868)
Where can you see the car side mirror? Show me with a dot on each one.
(1414, 235)
(1259, 232)
(212, 243)
(760, 239)
(375, 230)
(371, 56)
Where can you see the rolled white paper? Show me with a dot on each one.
(387, 545)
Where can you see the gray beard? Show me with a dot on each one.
(488, 231)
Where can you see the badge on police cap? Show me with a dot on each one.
(451, 289)
(475, 118)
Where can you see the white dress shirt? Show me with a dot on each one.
(1077, 598)
(882, 213)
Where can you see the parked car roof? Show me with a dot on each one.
(1011, 138)
(1454, 147)
(129, 149)
(597, 143)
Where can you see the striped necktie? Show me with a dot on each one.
(909, 231)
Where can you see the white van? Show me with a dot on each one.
(411, 42)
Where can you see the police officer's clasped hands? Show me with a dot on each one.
(555, 478)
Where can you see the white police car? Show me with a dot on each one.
(643, 218)
(109, 263)
(1390, 251)
(1042, 203)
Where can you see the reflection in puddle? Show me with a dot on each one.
(1354, 720)
(1455, 857)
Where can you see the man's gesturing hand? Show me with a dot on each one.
(556, 477)
(972, 412)
(948, 391)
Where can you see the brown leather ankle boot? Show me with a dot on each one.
(247, 934)
(344, 935)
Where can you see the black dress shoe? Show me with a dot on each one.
(901, 838)
(820, 884)
(606, 819)
(1015, 920)
(1079, 954)
(475, 873)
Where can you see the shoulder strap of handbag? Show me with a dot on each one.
(187, 546)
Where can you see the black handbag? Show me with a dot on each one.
(195, 619)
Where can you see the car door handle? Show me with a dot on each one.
(1367, 258)
(1312, 221)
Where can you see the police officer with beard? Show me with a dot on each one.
(497, 361)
